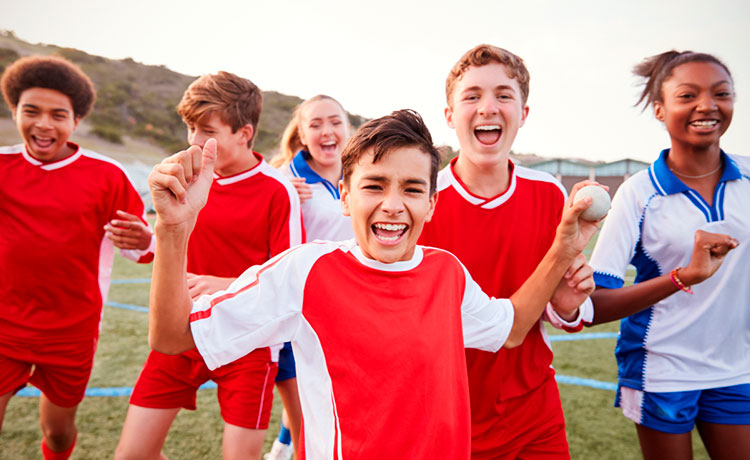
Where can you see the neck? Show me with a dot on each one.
(482, 180)
(690, 160)
(331, 173)
(244, 162)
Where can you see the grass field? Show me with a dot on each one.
(596, 430)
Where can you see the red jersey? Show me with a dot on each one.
(500, 240)
(379, 347)
(55, 261)
(248, 218)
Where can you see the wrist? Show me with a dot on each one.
(679, 281)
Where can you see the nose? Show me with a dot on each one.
(488, 106)
(197, 138)
(393, 202)
(706, 103)
(44, 121)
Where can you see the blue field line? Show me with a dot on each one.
(127, 306)
(586, 382)
(587, 336)
(31, 392)
(132, 281)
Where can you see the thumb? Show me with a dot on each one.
(209, 158)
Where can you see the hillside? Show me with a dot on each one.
(135, 107)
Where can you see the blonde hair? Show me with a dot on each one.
(290, 141)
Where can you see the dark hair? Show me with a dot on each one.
(402, 128)
(236, 100)
(657, 69)
(49, 72)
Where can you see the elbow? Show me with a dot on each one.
(512, 342)
(162, 345)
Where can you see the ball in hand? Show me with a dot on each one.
(600, 204)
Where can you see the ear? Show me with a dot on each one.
(344, 193)
(76, 120)
(449, 117)
(246, 133)
(433, 203)
(524, 114)
(659, 110)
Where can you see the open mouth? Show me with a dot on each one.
(329, 147)
(389, 233)
(43, 142)
(488, 134)
(705, 125)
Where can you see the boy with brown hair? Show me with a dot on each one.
(484, 197)
(252, 215)
(63, 210)
(378, 324)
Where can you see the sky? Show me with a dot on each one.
(380, 56)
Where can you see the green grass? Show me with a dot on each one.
(596, 430)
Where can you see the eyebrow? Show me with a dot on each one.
(411, 180)
(321, 118)
(714, 85)
(479, 88)
(32, 106)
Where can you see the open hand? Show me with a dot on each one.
(128, 232)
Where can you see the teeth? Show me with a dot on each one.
(487, 128)
(388, 238)
(391, 227)
(326, 144)
(704, 123)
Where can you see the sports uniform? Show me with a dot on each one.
(55, 265)
(501, 240)
(322, 213)
(248, 218)
(380, 377)
(670, 348)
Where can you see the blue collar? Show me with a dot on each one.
(300, 168)
(667, 183)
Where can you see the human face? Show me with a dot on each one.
(698, 103)
(324, 131)
(389, 202)
(233, 155)
(487, 111)
(45, 119)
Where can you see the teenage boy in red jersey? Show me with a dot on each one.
(63, 209)
(378, 324)
(499, 219)
(252, 215)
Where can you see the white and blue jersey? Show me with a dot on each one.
(684, 342)
(321, 214)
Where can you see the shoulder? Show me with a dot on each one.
(743, 164)
(444, 179)
(11, 149)
(540, 179)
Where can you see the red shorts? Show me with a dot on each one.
(531, 426)
(60, 370)
(245, 386)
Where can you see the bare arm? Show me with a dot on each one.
(709, 251)
(179, 188)
(531, 298)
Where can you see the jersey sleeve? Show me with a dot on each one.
(260, 308)
(285, 219)
(585, 315)
(617, 239)
(128, 200)
(486, 321)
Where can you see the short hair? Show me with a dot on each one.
(656, 69)
(290, 141)
(237, 101)
(482, 55)
(51, 72)
(402, 128)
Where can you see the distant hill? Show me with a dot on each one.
(136, 102)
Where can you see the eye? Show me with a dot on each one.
(60, 116)
(724, 94)
(415, 190)
(315, 126)
(685, 96)
(374, 187)
(337, 123)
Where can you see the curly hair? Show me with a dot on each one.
(50, 72)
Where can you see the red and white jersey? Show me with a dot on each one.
(379, 347)
(55, 261)
(248, 218)
(500, 240)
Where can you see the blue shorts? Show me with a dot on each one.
(287, 369)
(676, 412)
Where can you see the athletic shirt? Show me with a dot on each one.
(379, 347)
(684, 342)
(55, 261)
(322, 213)
(248, 218)
(500, 240)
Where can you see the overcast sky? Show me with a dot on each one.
(379, 56)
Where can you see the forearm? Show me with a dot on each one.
(530, 300)
(614, 304)
(170, 303)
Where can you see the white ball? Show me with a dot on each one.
(599, 207)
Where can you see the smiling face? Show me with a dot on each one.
(389, 202)
(487, 110)
(698, 103)
(324, 130)
(233, 155)
(45, 119)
